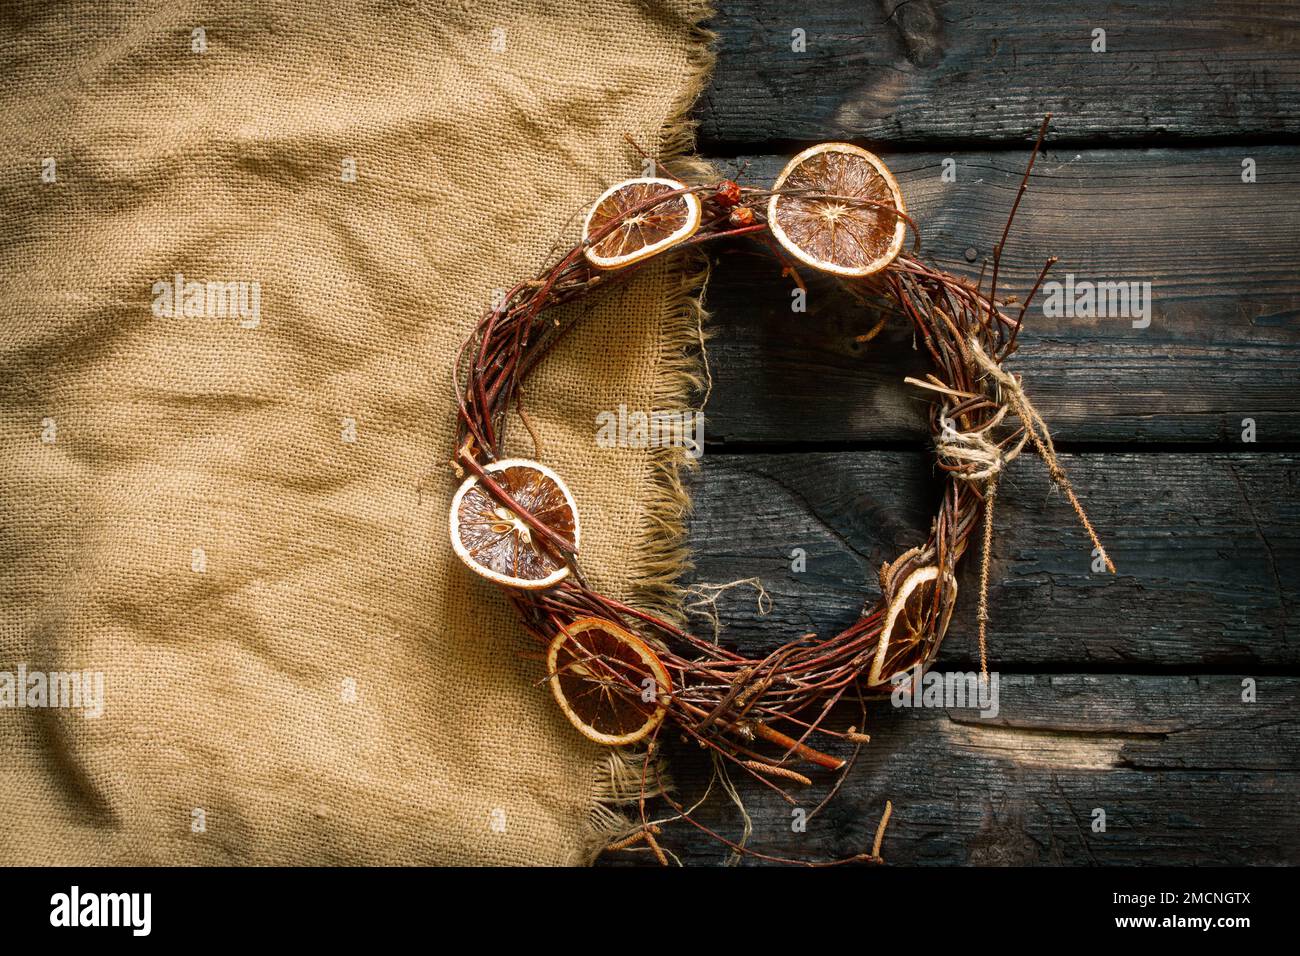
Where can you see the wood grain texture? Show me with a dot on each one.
(1123, 693)
(920, 71)
(1223, 343)
(1185, 770)
(1207, 547)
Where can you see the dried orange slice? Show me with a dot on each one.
(828, 213)
(496, 542)
(889, 573)
(642, 234)
(912, 620)
(607, 681)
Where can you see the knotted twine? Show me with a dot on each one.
(975, 456)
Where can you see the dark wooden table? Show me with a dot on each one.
(1122, 694)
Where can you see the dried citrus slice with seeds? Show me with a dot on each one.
(607, 681)
(496, 542)
(641, 234)
(913, 614)
(833, 210)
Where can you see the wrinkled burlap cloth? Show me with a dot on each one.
(241, 520)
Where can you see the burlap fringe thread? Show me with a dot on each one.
(623, 777)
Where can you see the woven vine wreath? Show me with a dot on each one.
(621, 674)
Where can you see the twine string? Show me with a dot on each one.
(983, 458)
(975, 456)
(990, 498)
(1040, 436)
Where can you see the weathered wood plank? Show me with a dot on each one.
(922, 71)
(1223, 342)
(1207, 547)
(1185, 770)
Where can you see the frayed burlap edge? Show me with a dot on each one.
(623, 776)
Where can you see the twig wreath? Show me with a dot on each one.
(620, 674)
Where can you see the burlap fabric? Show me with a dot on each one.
(240, 519)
